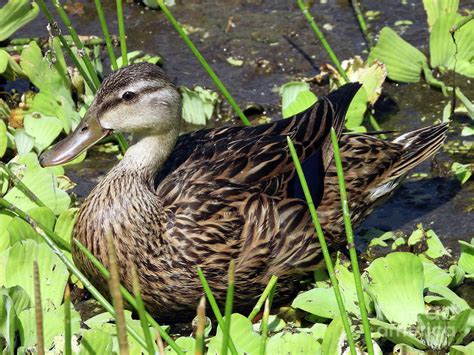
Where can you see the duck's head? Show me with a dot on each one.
(137, 99)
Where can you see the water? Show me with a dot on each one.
(277, 45)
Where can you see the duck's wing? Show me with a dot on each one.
(259, 155)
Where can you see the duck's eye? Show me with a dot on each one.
(128, 95)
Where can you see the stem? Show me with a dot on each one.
(77, 42)
(264, 328)
(229, 300)
(141, 311)
(322, 39)
(67, 321)
(351, 245)
(66, 45)
(105, 31)
(114, 287)
(127, 295)
(324, 247)
(362, 23)
(201, 326)
(215, 308)
(268, 289)
(123, 39)
(461, 23)
(38, 311)
(204, 63)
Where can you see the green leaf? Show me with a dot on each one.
(318, 301)
(462, 350)
(44, 129)
(65, 223)
(432, 245)
(53, 273)
(96, 341)
(407, 350)
(23, 141)
(43, 183)
(8, 323)
(295, 98)
(187, 344)
(243, 336)
(9, 68)
(441, 295)
(3, 138)
(403, 61)
(356, 110)
(396, 283)
(396, 334)
(435, 8)
(463, 172)
(292, 343)
(198, 104)
(443, 49)
(15, 14)
(20, 230)
(435, 276)
(466, 260)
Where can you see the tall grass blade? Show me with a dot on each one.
(362, 23)
(114, 287)
(201, 326)
(229, 302)
(350, 243)
(215, 308)
(204, 63)
(77, 42)
(268, 289)
(67, 322)
(141, 311)
(105, 31)
(324, 248)
(38, 311)
(128, 296)
(123, 39)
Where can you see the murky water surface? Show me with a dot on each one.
(276, 44)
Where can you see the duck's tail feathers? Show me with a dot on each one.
(418, 146)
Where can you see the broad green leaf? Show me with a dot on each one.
(15, 14)
(462, 350)
(443, 49)
(318, 330)
(356, 110)
(43, 183)
(243, 336)
(5, 220)
(20, 230)
(334, 337)
(96, 341)
(23, 141)
(19, 272)
(466, 260)
(435, 8)
(318, 301)
(403, 61)
(396, 283)
(198, 105)
(65, 223)
(44, 129)
(434, 247)
(371, 77)
(407, 350)
(9, 68)
(435, 276)
(3, 138)
(441, 295)
(8, 323)
(187, 344)
(295, 98)
(396, 334)
(292, 343)
(463, 172)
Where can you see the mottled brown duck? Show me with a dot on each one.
(174, 203)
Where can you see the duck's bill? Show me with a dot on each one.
(84, 136)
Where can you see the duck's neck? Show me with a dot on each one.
(148, 153)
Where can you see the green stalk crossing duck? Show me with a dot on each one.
(174, 203)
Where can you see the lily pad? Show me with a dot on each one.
(292, 343)
(434, 9)
(295, 98)
(466, 260)
(96, 341)
(403, 61)
(396, 283)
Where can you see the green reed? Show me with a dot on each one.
(38, 310)
(123, 38)
(264, 324)
(351, 243)
(106, 33)
(229, 301)
(204, 63)
(67, 321)
(268, 290)
(215, 308)
(324, 248)
(142, 314)
(362, 23)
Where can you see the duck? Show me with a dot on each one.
(178, 202)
